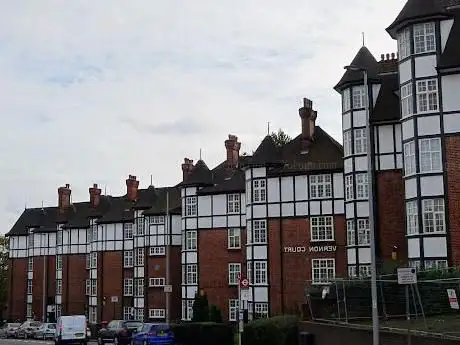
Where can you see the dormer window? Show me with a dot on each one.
(424, 38)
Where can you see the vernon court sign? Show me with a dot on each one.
(311, 249)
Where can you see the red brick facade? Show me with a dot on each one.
(17, 270)
(453, 193)
(74, 276)
(290, 273)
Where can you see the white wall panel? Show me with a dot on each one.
(346, 121)
(450, 86)
(315, 208)
(191, 223)
(189, 191)
(287, 209)
(351, 255)
(259, 211)
(413, 247)
(434, 246)
(205, 222)
(364, 255)
(348, 165)
(428, 125)
(399, 161)
(273, 190)
(432, 185)
(350, 210)
(410, 188)
(233, 221)
(339, 207)
(260, 294)
(386, 142)
(446, 26)
(387, 162)
(452, 123)
(301, 208)
(361, 163)
(326, 207)
(176, 224)
(219, 222)
(219, 204)
(204, 205)
(408, 129)
(425, 66)
(191, 291)
(260, 252)
(359, 118)
(337, 179)
(273, 210)
(191, 257)
(287, 188)
(258, 172)
(405, 71)
(398, 137)
(362, 209)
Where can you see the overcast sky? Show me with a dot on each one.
(91, 91)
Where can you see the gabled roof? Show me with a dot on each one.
(418, 10)
(200, 175)
(266, 153)
(450, 57)
(160, 203)
(363, 59)
(387, 106)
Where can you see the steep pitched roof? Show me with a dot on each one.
(417, 10)
(363, 59)
(450, 57)
(266, 153)
(160, 203)
(387, 103)
(200, 175)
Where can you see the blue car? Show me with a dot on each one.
(153, 334)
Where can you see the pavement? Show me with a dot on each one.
(30, 342)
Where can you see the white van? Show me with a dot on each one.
(71, 330)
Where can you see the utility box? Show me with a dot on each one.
(306, 338)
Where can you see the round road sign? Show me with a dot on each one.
(244, 283)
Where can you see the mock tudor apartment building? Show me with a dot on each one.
(285, 217)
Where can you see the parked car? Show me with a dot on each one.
(118, 332)
(27, 329)
(9, 330)
(45, 331)
(154, 334)
(71, 329)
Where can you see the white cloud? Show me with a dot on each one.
(92, 91)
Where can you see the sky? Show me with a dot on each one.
(92, 91)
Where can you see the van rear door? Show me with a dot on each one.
(73, 327)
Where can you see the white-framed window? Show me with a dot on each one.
(322, 228)
(234, 238)
(364, 234)
(321, 186)
(58, 262)
(364, 271)
(404, 46)
(29, 311)
(234, 269)
(323, 270)
(260, 273)
(187, 309)
(88, 261)
(140, 226)
(259, 231)
(29, 286)
(139, 314)
(415, 264)
(157, 251)
(362, 186)
(128, 230)
(433, 215)
(191, 206)
(349, 194)
(409, 158)
(128, 258)
(30, 264)
(139, 287)
(157, 313)
(95, 237)
(89, 237)
(249, 265)
(412, 217)
(93, 260)
(261, 310)
(58, 311)
(157, 282)
(430, 155)
(427, 95)
(58, 286)
(154, 220)
(233, 203)
(92, 314)
(93, 287)
(30, 240)
(128, 313)
(128, 287)
(346, 100)
(259, 190)
(190, 274)
(59, 237)
(359, 97)
(139, 256)
(87, 287)
(424, 38)
(191, 240)
(352, 271)
(435, 264)
(351, 233)
(360, 141)
(406, 100)
(233, 308)
(347, 143)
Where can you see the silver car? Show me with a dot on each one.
(45, 331)
(9, 330)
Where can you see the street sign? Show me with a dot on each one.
(168, 288)
(245, 294)
(407, 276)
(244, 283)
(453, 301)
(114, 299)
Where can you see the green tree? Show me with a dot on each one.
(280, 138)
(3, 274)
(200, 308)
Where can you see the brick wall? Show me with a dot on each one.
(214, 257)
(74, 277)
(175, 280)
(156, 266)
(37, 289)
(341, 335)
(110, 281)
(453, 193)
(291, 272)
(18, 288)
(391, 220)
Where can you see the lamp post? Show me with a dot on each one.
(375, 311)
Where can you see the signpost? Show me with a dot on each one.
(114, 300)
(453, 301)
(168, 288)
(243, 296)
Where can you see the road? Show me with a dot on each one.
(29, 342)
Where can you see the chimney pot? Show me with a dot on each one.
(388, 56)
(132, 186)
(64, 197)
(233, 150)
(308, 119)
(94, 195)
(187, 168)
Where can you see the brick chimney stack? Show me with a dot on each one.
(187, 168)
(94, 195)
(64, 198)
(308, 118)
(132, 184)
(233, 150)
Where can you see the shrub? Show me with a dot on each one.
(203, 333)
(278, 330)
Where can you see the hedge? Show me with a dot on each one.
(278, 330)
(203, 333)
